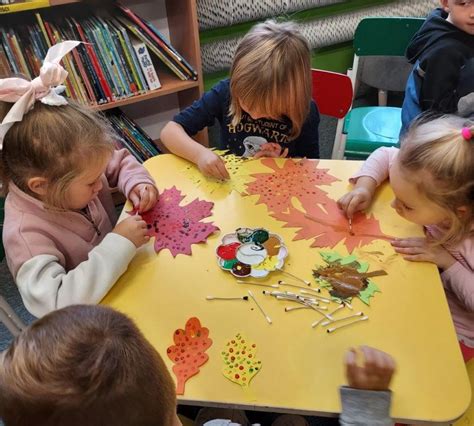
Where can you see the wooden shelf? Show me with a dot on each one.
(61, 2)
(169, 86)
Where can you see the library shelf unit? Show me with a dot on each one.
(177, 20)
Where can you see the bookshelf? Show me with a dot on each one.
(178, 22)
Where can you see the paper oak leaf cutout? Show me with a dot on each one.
(240, 364)
(189, 351)
(235, 166)
(346, 277)
(296, 178)
(325, 223)
(177, 227)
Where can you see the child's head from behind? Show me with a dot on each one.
(433, 177)
(57, 154)
(85, 365)
(271, 75)
(461, 14)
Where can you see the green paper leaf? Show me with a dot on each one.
(366, 294)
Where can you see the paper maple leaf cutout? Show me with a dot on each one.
(351, 261)
(176, 227)
(326, 224)
(297, 178)
(240, 364)
(235, 167)
(189, 351)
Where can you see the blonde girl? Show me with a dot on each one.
(264, 109)
(58, 166)
(432, 176)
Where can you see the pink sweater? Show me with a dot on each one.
(62, 258)
(458, 280)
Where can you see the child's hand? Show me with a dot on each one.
(143, 197)
(418, 249)
(375, 374)
(133, 228)
(212, 165)
(271, 149)
(354, 201)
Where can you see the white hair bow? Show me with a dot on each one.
(46, 87)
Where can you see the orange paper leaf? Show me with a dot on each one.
(189, 351)
(297, 178)
(327, 225)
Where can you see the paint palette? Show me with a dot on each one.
(251, 252)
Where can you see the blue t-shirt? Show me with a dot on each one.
(249, 134)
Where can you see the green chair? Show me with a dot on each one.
(368, 128)
(7, 315)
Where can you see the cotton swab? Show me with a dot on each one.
(269, 320)
(329, 317)
(330, 330)
(293, 276)
(227, 298)
(295, 308)
(315, 323)
(255, 283)
(284, 283)
(358, 314)
(322, 299)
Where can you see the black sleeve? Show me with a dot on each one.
(439, 86)
(203, 112)
(307, 143)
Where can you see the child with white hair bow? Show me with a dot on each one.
(58, 164)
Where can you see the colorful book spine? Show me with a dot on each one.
(146, 63)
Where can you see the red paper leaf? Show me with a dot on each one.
(189, 351)
(176, 227)
(298, 179)
(327, 225)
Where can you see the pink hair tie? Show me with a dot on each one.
(466, 133)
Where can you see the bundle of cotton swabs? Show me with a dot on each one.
(310, 301)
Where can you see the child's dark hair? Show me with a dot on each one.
(54, 142)
(439, 146)
(85, 365)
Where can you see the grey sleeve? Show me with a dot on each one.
(362, 407)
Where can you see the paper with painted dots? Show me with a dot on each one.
(189, 351)
(295, 178)
(177, 227)
(238, 175)
(240, 363)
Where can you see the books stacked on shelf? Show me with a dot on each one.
(113, 63)
(131, 136)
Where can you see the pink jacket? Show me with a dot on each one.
(458, 280)
(62, 258)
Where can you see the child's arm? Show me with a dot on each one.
(461, 281)
(373, 172)
(132, 179)
(179, 143)
(176, 135)
(45, 285)
(367, 399)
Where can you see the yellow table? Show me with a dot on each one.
(302, 367)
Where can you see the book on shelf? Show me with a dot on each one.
(114, 62)
(146, 64)
(131, 136)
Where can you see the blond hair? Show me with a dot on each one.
(57, 143)
(84, 365)
(271, 72)
(438, 147)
